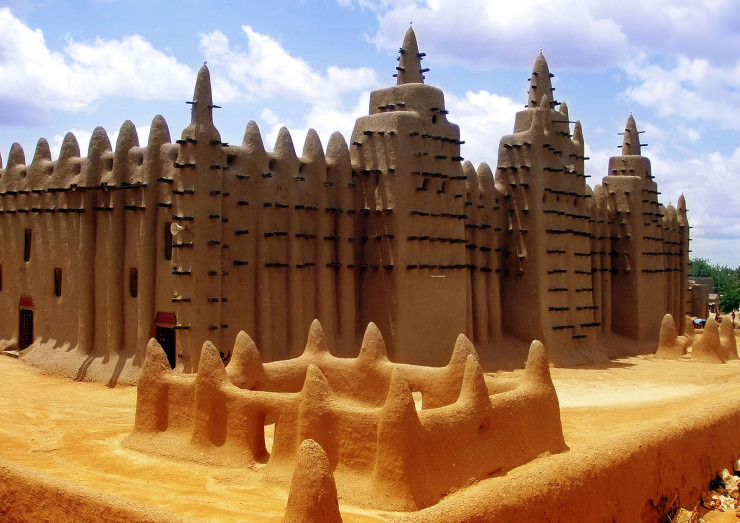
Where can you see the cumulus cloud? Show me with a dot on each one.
(265, 70)
(82, 73)
(574, 33)
(483, 118)
(692, 89)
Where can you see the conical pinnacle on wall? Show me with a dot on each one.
(316, 343)
(313, 492)
(373, 348)
(42, 152)
(252, 141)
(210, 365)
(159, 132)
(70, 149)
(210, 416)
(537, 368)
(462, 350)
(397, 430)
(155, 361)
(245, 369)
(409, 68)
(473, 392)
(315, 418)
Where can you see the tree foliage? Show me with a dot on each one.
(726, 282)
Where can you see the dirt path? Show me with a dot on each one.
(74, 431)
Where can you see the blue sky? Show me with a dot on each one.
(70, 65)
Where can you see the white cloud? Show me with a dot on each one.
(692, 89)
(574, 33)
(267, 71)
(83, 72)
(483, 118)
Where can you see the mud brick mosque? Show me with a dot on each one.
(198, 239)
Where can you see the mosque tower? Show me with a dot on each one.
(547, 288)
(410, 237)
(637, 243)
(197, 226)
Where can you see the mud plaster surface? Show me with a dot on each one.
(71, 433)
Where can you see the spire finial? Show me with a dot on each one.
(201, 118)
(631, 143)
(539, 83)
(409, 62)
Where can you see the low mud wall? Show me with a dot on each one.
(27, 495)
(630, 478)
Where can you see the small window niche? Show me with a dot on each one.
(57, 281)
(27, 245)
(133, 282)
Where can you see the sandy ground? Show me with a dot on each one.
(73, 431)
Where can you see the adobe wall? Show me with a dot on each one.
(602, 487)
(194, 240)
(360, 410)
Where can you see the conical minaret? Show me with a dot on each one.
(631, 143)
(406, 158)
(197, 208)
(539, 83)
(201, 119)
(409, 61)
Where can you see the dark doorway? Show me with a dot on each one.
(25, 328)
(166, 338)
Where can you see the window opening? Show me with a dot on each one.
(57, 281)
(27, 245)
(133, 282)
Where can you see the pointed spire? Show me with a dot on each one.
(99, 143)
(631, 143)
(245, 368)
(253, 138)
(16, 156)
(373, 346)
(155, 361)
(211, 366)
(284, 145)
(202, 110)
(337, 152)
(316, 387)
(201, 117)
(463, 350)
(539, 83)
(473, 390)
(159, 132)
(316, 342)
(681, 205)
(70, 148)
(537, 368)
(564, 109)
(485, 181)
(313, 492)
(578, 133)
(42, 152)
(409, 62)
(312, 148)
